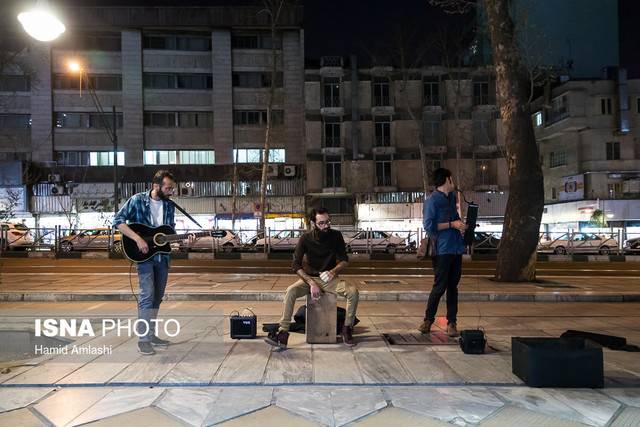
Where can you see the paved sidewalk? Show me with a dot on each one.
(206, 379)
(117, 286)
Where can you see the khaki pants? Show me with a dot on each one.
(336, 286)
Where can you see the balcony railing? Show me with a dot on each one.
(383, 181)
(332, 101)
(332, 141)
(383, 141)
(381, 101)
(331, 61)
(554, 116)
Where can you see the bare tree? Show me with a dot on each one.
(9, 205)
(273, 9)
(517, 254)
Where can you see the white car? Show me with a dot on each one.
(284, 240)
(579, 243)
(17, 236)
(228, 243)
(376, 240)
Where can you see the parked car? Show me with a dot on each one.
(285, 240)
(228, 243)
(579, 243)
(485, 243)
(95, 239)
(377, 240)
(632, 246)
(18, 236)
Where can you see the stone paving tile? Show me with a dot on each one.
(10, 399)
(630, 417)
(399, 418)
(117, 402)
(64, 405)
(20, 418)
(514, 416)
(145, 417)
(349, 404)
(311, 403)
(269, 417)
(189, 405)
(628, 396)
(458, 405)
(584, 406)
(235, 401)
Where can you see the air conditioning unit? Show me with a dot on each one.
(54, 177)
(289, 171)
(272, 170)
(57, 190)
(187, 189)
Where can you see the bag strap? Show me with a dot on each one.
(185, 213)
(248, 309)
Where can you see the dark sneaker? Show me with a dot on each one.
(278, 339)
(158, 342)
(347, 336)
(425, 327)
(145, 348)
(452, 330)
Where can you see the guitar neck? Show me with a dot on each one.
(172, 237)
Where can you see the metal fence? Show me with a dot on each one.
(367, 241)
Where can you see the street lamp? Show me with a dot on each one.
(40, 22)
(76, 67)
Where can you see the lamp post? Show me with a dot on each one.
(41, 23)
(75, 67)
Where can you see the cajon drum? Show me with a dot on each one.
(321, 319)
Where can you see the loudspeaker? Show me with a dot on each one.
(472, 217)
(243, 326)
(472, 341)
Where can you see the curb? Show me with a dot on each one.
(364, 296)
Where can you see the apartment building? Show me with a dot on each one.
(189, 88)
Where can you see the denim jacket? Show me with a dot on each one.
(438, 208)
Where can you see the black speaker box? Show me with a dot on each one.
(557, 362)
(472, 341)
(242, 326)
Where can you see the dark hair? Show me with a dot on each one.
(440, 176)
(161, 175)
(317, 211)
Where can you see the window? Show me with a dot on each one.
(383, 131)
(484, 132)
(431, 91)
(254, 155)
(432, 130)
(178, 81)
(554, 193)
(537, 119)
(107, 82)
(614, 189)
(15, 84)
(254, 41)
(172, 119)
(613, 151)
(381, 92)
(383, 172)
(482, 172)
(558, 110)
(87, 120)
(104, 158)
(108, 42)
(557, 158)
(15, 121)
(254, 79)
(333, 173)
(480, 93)
(177, 42)
(332, 132)
(638, 105)
(257, 118)
(605, 106)
(331, 92)
(182, 157)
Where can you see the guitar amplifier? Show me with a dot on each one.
(472, 341)
(241, 326)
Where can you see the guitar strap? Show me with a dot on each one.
(185, 213)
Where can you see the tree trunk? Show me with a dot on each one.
(517, 252)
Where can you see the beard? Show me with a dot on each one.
(162, 195)
(323, 233)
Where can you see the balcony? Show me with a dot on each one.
(554, 116)
(332, 106)
(331, 66)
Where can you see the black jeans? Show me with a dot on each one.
(447, 269)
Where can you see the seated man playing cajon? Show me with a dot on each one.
(326, 256)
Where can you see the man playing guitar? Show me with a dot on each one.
(154, 209)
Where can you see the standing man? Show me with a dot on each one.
(445, 228)
(326, 256)
(153, 208)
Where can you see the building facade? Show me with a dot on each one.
(190, 89)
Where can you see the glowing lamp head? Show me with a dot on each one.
(41, 24)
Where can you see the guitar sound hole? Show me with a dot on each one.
(160, 239)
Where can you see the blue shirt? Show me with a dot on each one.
(438, 208)
(138, 209)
